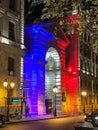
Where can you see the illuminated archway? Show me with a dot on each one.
(53, 77)
(39, 42)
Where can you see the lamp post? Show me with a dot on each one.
(8, 86)
(84, 95)
(55, 91)
(92, 96)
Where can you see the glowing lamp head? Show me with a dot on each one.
(55, 89)
(12, 84)
(5, 84)
(84, 93)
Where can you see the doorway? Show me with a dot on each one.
(53, 77)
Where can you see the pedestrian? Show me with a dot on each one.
(16, 112)
(27, 110)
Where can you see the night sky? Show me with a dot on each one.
(33, 11)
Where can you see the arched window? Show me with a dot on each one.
(11, 31)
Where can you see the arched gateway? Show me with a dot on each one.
(44, 65)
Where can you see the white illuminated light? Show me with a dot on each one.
(83, 93)
(22, 46)
(4, 40)
(83, 71)
(96, 117)
(21, 74)
(58, 80)
(55, 89)
(12, 85)
(85, 116)
(21, 70)
(74, 11)
(5, 84)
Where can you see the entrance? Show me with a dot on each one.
(53, 77)
(44, 58)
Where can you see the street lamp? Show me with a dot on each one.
(84, 94)
(55, 91)
(8, 86)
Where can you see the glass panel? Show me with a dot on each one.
(10, 66)
(12, 4)
(11, 31)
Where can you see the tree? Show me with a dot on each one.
(87, 18)
(60, 10)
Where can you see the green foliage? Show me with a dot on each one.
(88, 15)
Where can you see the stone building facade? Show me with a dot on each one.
(11, 51)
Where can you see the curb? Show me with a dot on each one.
(34, 119)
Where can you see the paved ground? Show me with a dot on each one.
(51, 116)
(40, 117)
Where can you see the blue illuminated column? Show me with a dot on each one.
(34, 75)
(30, 76)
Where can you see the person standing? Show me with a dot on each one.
(27, 110)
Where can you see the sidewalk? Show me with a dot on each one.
(35, 118)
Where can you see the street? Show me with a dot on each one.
(66, 123)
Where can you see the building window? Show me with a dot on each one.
(12, 5)
(11, 31)
(97, 59)
(81, 83)
(83, 100)
(96, 87)
(89, 53)
(81, 64)
(10, 66)
(97, 71)
(0, 28)
(97, 99)
(90, 99)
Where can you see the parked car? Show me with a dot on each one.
(83, 125)
(2, 119)
(92, 117)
